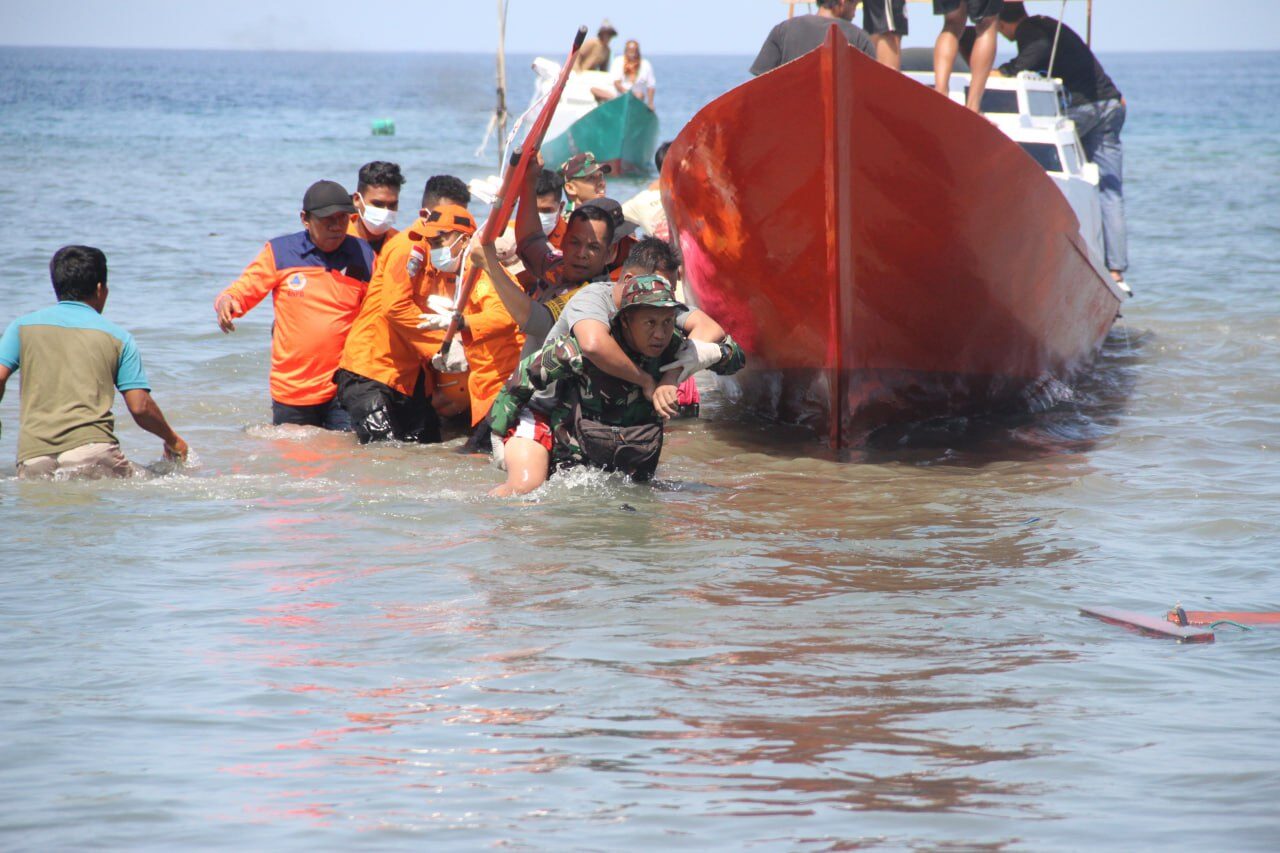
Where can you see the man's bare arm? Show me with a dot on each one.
(514, 299)
(146, 414)
(699, 326)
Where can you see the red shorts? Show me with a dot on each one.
(533, 426)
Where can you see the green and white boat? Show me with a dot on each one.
(622, 132)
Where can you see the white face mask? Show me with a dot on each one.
(549, 221)
(443, 259)
(377, 219)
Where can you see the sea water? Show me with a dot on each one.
(301, 643)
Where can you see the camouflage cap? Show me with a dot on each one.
(650, 291)
(582, 165)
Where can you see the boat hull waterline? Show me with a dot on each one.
(873, 243)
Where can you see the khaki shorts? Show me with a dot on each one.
(90, 461)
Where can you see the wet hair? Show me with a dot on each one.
(379, 173)
(442, 188)
(651, 255)
(661, 155)
(549, 182)
(1012, 12)
(77, 271)
(594, 214)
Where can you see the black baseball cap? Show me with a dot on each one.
(622, 227)
(325, 198)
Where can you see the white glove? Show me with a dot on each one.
(694, 356)
(441, 304)
(434, 322)
(454, 361)
(440, 315)
(485, 189)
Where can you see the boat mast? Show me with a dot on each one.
(500, 114)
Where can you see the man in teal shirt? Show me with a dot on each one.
(73, 360)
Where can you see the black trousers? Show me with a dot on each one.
(381, 413)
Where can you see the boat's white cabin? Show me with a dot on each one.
(1030, 110)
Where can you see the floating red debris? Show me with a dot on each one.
(1209, 617)
(1149, 625)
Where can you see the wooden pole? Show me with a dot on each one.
(502, 80)
(1088, 24)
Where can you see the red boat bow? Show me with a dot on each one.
(848, 224)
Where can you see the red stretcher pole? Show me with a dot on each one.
(512, 182)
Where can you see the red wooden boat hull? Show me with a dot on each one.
(849, 225)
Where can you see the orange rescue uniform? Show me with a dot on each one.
(493, 342)
(385, 344)
(378, 242)
(316, 297)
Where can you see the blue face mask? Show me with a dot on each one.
(443, 259)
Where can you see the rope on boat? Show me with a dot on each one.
(1056, 33)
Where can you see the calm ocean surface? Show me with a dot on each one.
(300, 643)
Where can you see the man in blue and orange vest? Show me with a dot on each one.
(317, 279)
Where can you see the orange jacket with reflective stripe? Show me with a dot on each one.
(386, 344)
(316, 297)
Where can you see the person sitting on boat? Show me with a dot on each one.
(383, 380)
(795, 37)
(595, 418)
(1096, 107)
(632, 74)
(594, 54)
(886, 22)
(583, 179)
(317, 280)
(72, 361)
(983, 55)
(377, 198)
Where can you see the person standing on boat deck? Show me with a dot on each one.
(72, 361)
(797, 36)
(594, 54)
(983, 15)
(886, 22)
(317, 279)
(583, 179)
(377, 198)
(1096, 107)
(632, 74)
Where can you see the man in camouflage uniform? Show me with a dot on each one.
(602, 397)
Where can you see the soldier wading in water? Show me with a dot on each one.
(598, 419)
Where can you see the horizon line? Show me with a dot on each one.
(513, 52)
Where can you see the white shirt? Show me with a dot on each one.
(644, 82)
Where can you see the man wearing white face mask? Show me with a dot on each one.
(377, 199)
(384, 379)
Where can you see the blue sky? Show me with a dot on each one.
(662, 26)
